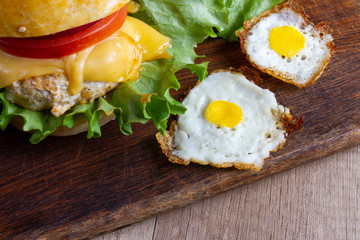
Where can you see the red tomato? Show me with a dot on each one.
(66, 42)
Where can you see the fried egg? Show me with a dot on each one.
(285, 44)
(229, 121)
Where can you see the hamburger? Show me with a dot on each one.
(59, 57)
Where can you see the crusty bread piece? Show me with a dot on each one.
(31, 18)
(320, 31)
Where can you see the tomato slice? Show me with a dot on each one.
(66, 42)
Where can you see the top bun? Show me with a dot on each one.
(33, 18)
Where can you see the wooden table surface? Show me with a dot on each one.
(318, 200)
(73, 188)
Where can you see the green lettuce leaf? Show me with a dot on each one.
(186, 23)
(243, 10)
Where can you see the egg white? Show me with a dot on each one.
(249, 142)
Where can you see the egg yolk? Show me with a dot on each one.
(286, 40)
(224, 113)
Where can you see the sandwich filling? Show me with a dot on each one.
(60, 83)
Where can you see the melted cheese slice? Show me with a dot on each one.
(116, 59)
(120, 57)
(15, 68)
(145, 36)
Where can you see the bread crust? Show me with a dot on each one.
(32, 18)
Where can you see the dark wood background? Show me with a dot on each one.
(73, 188)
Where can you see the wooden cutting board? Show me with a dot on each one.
(71, 188)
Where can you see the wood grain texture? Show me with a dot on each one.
(73, 188)
(320, 200)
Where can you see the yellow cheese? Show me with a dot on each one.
(152, 42)
(119, 57)
(116, 59)
(74, 68)
(133, 7)
(15, 68)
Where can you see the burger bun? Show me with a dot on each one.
(81, 125)
(33, 18)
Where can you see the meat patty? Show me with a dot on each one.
(50, 92)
